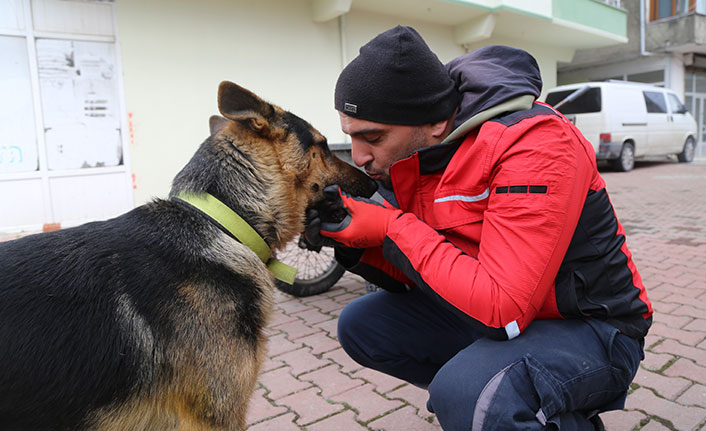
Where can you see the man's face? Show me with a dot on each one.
(376, 146)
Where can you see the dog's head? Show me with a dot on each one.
(293, 155)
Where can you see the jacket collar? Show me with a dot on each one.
(437, 157)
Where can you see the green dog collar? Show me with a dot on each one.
(240, 229)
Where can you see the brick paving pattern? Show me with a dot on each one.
(308, 383)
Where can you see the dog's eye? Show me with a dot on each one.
(315, 187)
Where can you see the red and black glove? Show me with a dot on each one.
(366, 224)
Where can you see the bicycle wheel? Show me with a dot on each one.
(317, 271)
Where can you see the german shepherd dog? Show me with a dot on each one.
(154, 320)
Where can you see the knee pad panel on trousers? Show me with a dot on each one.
(523, 395)
(510, 399)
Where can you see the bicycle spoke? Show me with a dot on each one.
(309, 264)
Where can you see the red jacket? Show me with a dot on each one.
(512, 223)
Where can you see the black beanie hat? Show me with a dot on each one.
(396, 79)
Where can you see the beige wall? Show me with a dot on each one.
(363, 26)
(174, 54)
(546, 56)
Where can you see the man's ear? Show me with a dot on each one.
(216, 123)
(239, 104)
(439, 129)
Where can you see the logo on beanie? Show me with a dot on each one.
(349, 107)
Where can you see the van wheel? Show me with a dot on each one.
(626, 161)
(687, 155)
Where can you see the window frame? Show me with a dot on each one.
(654, 8)
(651, 102)
(673, 101)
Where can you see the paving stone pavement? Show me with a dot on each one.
(309, 383)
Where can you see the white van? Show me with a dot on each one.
(626, 121)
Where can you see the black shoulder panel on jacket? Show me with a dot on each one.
(512, 118)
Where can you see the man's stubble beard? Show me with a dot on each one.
(417, 141)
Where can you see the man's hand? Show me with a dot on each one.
(312, 233)
(365, 225)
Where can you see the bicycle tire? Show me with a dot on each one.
(317, 271)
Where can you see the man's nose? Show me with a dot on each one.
(360, 153)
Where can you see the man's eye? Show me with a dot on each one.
(372, 138)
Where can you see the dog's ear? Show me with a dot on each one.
(239, 104)
(216, 123)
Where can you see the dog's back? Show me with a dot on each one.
(103, 315)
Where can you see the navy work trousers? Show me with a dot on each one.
(555, 375)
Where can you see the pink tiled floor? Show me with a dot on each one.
(309, 383)
(312, 385)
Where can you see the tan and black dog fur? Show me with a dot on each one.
(154, 320)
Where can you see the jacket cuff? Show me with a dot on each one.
(346, 256)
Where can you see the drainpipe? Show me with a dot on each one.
(344, 53)
(342, 39)
(643, 52)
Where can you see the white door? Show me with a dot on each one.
(658, 125)
(681, 123)
(63, 154)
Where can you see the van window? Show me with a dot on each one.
(675, 105)
(655, 102)
(589, 101)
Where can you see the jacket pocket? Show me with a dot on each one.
(573, 297)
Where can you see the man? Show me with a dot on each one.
(511, 293)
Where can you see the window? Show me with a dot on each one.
(655, 102)
(700, 83)
(665, 8)
(675, 105)
(589, 101)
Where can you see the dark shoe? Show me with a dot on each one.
(597, 423)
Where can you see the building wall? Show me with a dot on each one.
(166, 59)
(546, 56)
(590, 13)
(362, 26)
(610, 54)
(625, 61)
(174, 54)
